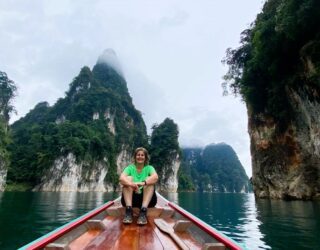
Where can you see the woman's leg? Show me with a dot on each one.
(127, 194)
(147, 195)
(126, 200)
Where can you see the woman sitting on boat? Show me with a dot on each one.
(138, 182)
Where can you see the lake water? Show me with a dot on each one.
(260, 224)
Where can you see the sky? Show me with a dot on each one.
(170, 53)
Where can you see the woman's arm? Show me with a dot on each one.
(152, 179)
(126, 181)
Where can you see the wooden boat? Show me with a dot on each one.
(169, 227)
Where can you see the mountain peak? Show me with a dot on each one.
(109, 57)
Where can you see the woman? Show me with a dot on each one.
(138, 182)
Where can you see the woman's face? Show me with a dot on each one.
(140, 157)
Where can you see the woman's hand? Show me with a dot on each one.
(140, 184)
(134, 186)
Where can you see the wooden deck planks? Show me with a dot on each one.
(106, 239)
(84, 240)
(129, 237)
(148, 239)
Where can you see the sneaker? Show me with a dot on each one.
(128, 216)
(142, 219)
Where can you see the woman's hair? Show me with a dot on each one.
(146, 155)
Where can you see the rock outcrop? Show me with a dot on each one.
(286, 164)
(7, 93)
(276, 70)
(3, 174)
(165, 154)
(68, 175)
(82, 142)
(168, 178)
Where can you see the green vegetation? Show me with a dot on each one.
(8, 91)
(280, 51)
(4, 141)
(164, 146)
(216, 168)
(185, 182)
(82, 123)
(18, 187)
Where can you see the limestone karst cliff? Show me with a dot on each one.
(166, 155)
(7, 93)
(85, 139)
(276, 70)
(3, 174)
(286, 164)
(214, 168)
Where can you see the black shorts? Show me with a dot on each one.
(137, 200)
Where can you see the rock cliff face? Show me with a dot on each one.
(3, 174)
(286, 164)
(7, 93)
(165, 154)
(3, 151)
(168, 176)
(68, 175)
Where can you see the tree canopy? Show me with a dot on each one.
(269, 59)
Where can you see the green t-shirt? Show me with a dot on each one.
(131, 170)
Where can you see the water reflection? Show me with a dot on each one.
(33, 214)
(99, 199)
(233, 214)
(251, 234)
(1, 194)
(172, 197)
(290, 224)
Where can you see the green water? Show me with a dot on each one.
(260, 224)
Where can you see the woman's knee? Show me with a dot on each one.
(128, 188)
(149, 187)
